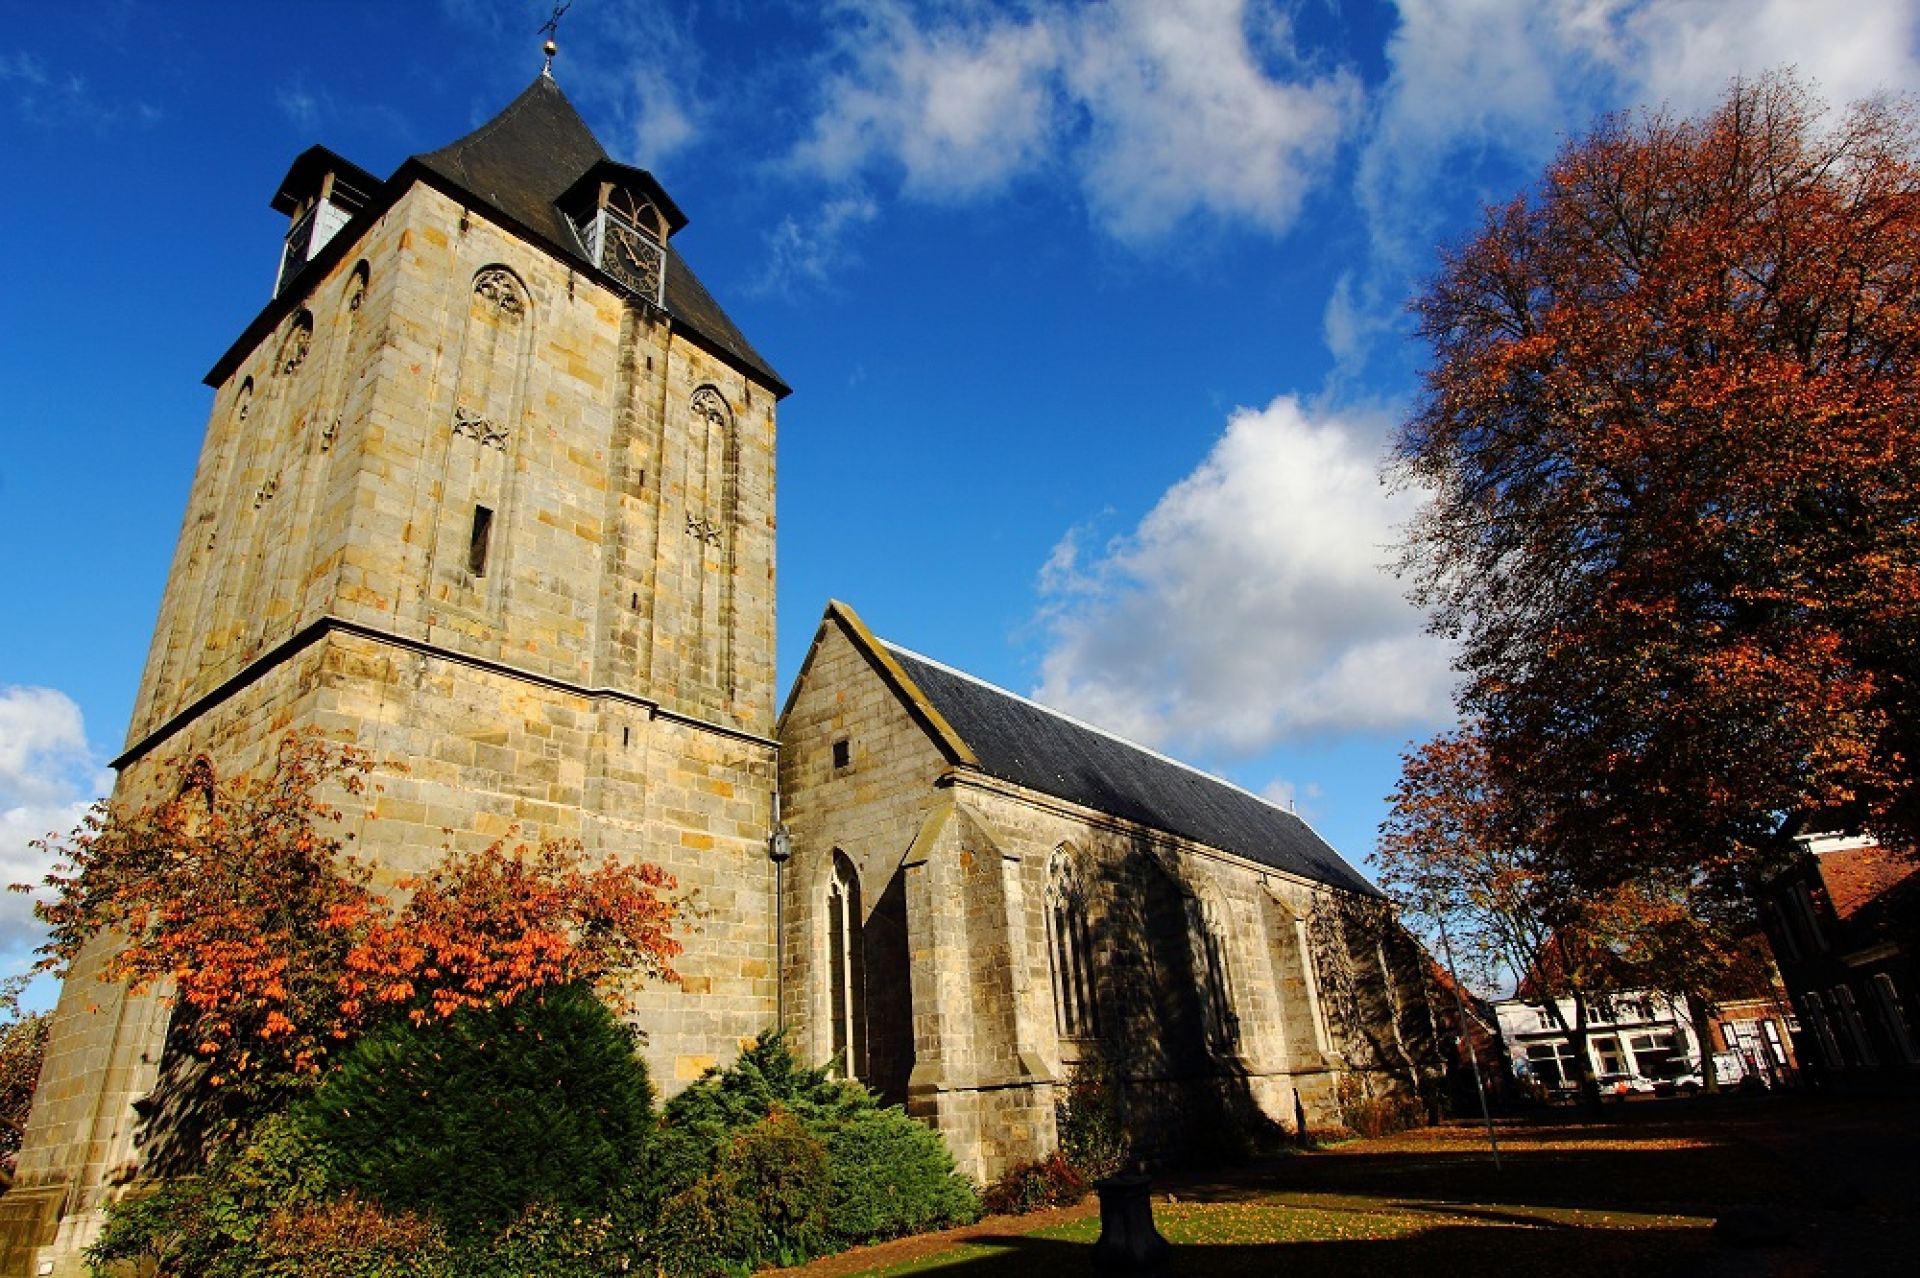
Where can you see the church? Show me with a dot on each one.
(488, 490)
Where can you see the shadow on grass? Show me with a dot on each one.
(1443, 1249)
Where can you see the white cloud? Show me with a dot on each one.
(47, 780)
(1283, 793)
(661, 122)
(810, 252)
(1483, 90)
(960, 108)
(1250, 605)
(1160, 109)
(302, 106)
(1185, 117)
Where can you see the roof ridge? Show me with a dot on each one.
(1110, 735)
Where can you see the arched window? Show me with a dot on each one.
(845, 976)
(1069, 949)
(1216, 994)
(296, 344)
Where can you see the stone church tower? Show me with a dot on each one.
(487, 489)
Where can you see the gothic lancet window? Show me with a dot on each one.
(1216, 994)
(1069, 949)
(845, 976)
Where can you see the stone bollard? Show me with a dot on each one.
(1129, 1243)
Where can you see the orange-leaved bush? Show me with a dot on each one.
(237, 900)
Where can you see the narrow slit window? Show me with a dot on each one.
(842, 753)
(477, 543)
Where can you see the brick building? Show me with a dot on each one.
(1844, 922)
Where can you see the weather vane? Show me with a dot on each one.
(551, 28)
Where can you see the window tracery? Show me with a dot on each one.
(1070, 949)
(846, 975)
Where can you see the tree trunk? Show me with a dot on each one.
(1700, 1012)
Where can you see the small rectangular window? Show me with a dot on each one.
(842, 753)
(477, 543)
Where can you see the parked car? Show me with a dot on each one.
(1686, 1084)
(1625, 1085)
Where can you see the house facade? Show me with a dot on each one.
(1633, 1034)
(1844, 922)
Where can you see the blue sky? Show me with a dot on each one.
(1095, 313)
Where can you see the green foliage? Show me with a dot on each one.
(517, 1141)
(701, 1119)
(1024, 1187)
(892, 1175)
(1092, 1136)
(473, 1119)
(554, 1244)
(764, 1202)
(736, 1180)
(210, 1224)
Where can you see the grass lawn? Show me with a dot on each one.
(1357, 1237)
(1636, 1193)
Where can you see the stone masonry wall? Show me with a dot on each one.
(1313, 995)
(607, 676)
(343, 460)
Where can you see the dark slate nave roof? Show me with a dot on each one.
(1016, 740)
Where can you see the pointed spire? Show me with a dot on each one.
(551, 28)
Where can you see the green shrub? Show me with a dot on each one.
(781, 1169)
(892, 1175)
(210, 1223)
(765, 1202)
(1092, 1136)
(699, 1122)
(733, 1173)
(554, 1244)
(472, 1119)
(1024, 1187)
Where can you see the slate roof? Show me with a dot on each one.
(525, 158)
(1023, 742)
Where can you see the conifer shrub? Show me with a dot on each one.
(892, 1175)
(736, 1181)
(699, 1122)
(473, 1119)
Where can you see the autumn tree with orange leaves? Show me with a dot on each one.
(1457, 856)
(238, 900)
(1670, 429)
